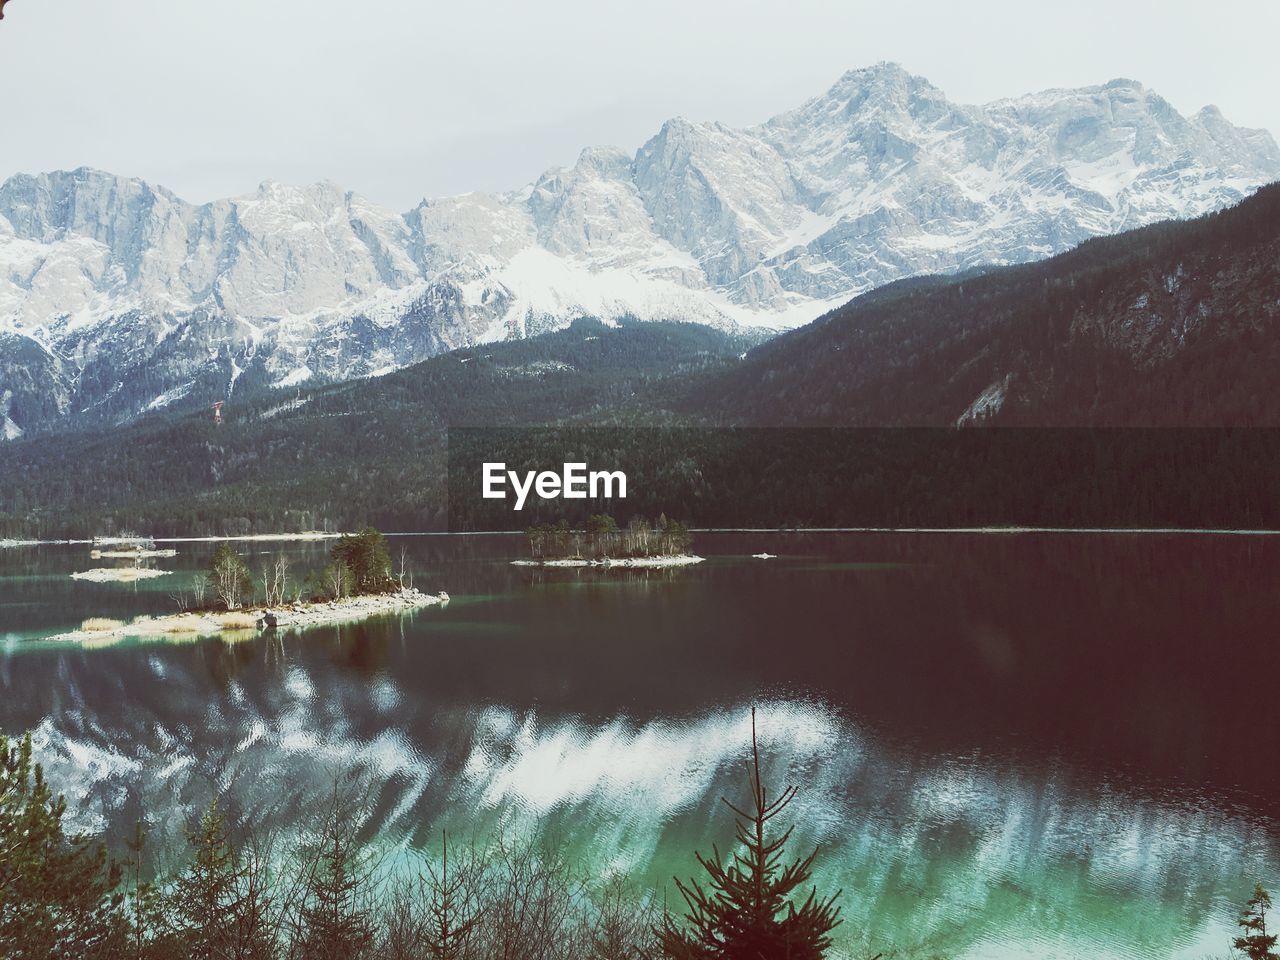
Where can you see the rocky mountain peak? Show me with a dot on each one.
(141, 295)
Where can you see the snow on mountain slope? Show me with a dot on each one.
(140, 298)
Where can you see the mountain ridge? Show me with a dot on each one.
(136, 295)
(1172, 325)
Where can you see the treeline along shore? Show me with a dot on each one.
(764, 479)
(892, 478)
(641, 543)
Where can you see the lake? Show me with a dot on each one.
(1056, 745)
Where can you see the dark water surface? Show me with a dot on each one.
(1042, 745)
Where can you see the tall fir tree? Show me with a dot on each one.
(335, 922)
(206, 891)
(220, 903)
(152, 932)
(60, 895)
(1256, 943)
(453, 910)
(746, 912)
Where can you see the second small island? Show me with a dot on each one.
(602, 543)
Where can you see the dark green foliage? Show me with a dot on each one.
(1176, 324)
(748, 911)
(343, 456)
(602, 527)
(59, 894)
(602, 538)
(365, 556)
(1172, 325)
(937, 477)
(335, 921)
(1255, 943)
(220, 908)
(62, 899)
(59, 897)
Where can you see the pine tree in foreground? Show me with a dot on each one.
(152, 934)
(222, 902)
(1256, 943)
(453, 911)
(59, 896)
(335, 921)
(206, 891)
(747, 912)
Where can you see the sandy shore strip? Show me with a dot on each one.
(257, 538)
(625, 563)
(130, 554)
(119, 541)
(119, 574)
(294, 615)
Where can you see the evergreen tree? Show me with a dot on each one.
(602, 532)
(1256, 943)
(206, 890)
(220, 904)
(334, 921)
(152, 934)
(59, 894)
(453, 911)
(366, 556)
(747, 913)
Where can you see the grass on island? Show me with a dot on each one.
(236, 620)
(101, 625)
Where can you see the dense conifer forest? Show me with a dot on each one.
(1176, 324)
(1171, 325)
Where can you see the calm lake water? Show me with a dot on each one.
(1040, 745)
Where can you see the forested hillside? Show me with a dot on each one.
(340, 456)
(1172, 325)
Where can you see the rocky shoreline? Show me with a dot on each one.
(643, 563)
(355, 608)
(288, 616)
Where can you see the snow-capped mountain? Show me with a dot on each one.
(117, 296)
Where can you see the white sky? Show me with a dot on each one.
(400, 99)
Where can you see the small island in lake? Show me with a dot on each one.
(119, 574)
(359, 582)
(641, 544)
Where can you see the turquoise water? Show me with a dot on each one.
(1031, 745)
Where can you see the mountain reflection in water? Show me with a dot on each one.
(1006, 746)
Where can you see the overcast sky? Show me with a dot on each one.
(400, 99)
